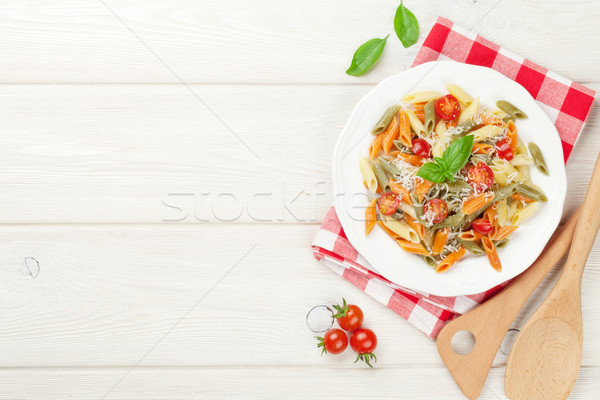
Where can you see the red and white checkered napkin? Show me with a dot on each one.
(567, 103)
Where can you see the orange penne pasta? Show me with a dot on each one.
(476, 203)
(511, 135)
(420, 229)
(421, 115)
(390, 134)
(491, 252)
(376, 145)
(370, 216)
(452, 124)
(499, 233)
(421, 186)
(415, 248)
(419, 106)
(490, 214)
(400, 190)
(387, 230)
(405, 135)
(411, 159)
(470, 235)
(490, 120)
(482, 148)
(520, 197)
(450, 259)
(441, 237)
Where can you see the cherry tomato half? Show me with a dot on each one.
(447, 107)
(504, 150)
(363, 341)
(421, 148)
(334, 341)
(435, 210)
(482, 226)
(349, 316)
(480, 177)
(388, 203)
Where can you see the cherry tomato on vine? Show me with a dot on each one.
(334, 341)
(349, 316)
(388, 203)
(421, 148)
(504, 150)
(364, 341)
(447, 107)
(481, 177)
(482, 226)
(435, 210)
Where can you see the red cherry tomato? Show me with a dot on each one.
(421, 148)
(482, 226)
(447, 107)
(435, 210)
(349, 317)
(388, 203)
(504, 150)
(334, 341)
(480, 177)
(364, 341)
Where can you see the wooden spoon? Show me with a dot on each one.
(490, 321)
(545, 359)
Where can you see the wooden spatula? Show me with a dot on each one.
(489, 322)
(545, 359)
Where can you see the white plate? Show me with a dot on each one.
(472, 274)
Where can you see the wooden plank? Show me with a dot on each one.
(153, 153)
(259, 382)
(106, 295)
(268, 40)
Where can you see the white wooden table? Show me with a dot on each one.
(175, 257)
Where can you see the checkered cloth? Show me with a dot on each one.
(567, 103)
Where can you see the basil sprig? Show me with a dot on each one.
(454, 158)
(366, 56)
(406, 26)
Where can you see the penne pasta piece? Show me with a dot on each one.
(405, 135)
(390, 135)
(511, 109)
(524, 175)
(482, 148)
(469, 112)
(524, 213)
(417, 227)
(421, 186)
(421, 115)
(429, 117)
(441, 131)
(419, 106)
(411, 159)
(408, 210)
(414, 248)
(451, 221)
(368, 175)
(476, 203)
(490, 213)
(430, 261)
(470, 236)
(502, 213)
(450, 259)
(538, 158)
(486, 119)
(463, 97)
(375, 146)
(380, 175)
(402, 230)
(421, 97)
(531, 192)
(400, 190)
(511, 135)
(520, 159)
(521, 198)
(501, 243)
(441, 237)
(415, 124)
(503, 232)
(491, 252)
(385, 120)
(486, 132)
(370, 216)
(471, 247)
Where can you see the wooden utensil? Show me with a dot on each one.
(490, 321)
(545, 359)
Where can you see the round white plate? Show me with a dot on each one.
(471, 274)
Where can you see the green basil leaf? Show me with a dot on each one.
(457, 154)
(440, 161)
(366, 56)
(449, 176)
(406, 26)
(432, 172)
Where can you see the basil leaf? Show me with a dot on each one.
(440, 161)
(432, 172)
(449, 175)
(366, 56)
(457, 154)
(406, 26)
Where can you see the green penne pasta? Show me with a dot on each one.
(471, 247)
(450, 222)
(462, 129)
(501, 243)
(511, 109)
(429, 117)
(458, 186)
(430, 261)
(381, 176)
(385, 120)
(400, 146)
(538, 158)
(532, 193)
(389, 167)
(504, 192)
